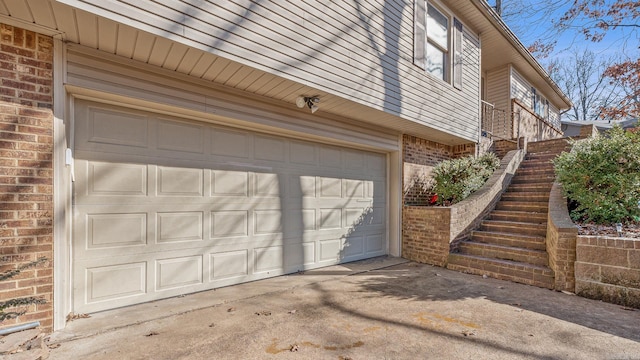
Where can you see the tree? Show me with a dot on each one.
(604, 16)
(592, 20)
(580, 77)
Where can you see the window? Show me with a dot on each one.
(437, 43)
(540, 105)
(434, 39)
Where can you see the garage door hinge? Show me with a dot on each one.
(68, 161)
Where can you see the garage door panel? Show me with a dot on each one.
(179, 136)
(178, 272)
(303, 153)
(173, 181)
(229, 183)
(329, 250)
(107, 126)
(231, 223)
(268, 259)
(98, 284)
(180, 226)
(229, 264)
(231, 143)
(116, 230)
(189, 206)
(270, 148)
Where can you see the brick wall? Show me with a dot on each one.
(502, 147)
(419, 158)
(561, 240)
(425, 234)
(430, 233)
(531, 126)
(26, 173)
(608, 269)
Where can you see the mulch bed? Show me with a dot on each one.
(631, 230)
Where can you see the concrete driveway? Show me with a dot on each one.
(383, 308)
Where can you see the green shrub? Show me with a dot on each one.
(601, 177)
(455, 180)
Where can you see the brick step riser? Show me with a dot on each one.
(550, 148)
(535, 171)
(515, 206)
(494, 270)
(535, 165)
(511, 240)
(524, 187)
(520, 230)
(532, 180)
(524, 196)
(533, 148)
(529, 218)
(537, 258)
(541, 157)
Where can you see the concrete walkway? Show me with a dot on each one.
(383, 308)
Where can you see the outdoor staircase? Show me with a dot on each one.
(510, 243)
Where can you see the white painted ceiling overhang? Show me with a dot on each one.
(112, 37)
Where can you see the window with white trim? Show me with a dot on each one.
(438, 42)
(540, 104)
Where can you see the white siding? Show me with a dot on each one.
(520, 88)
(497, 93)
(359, 51)
(497, 88)
(554, 115)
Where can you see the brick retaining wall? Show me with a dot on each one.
(561, 240)
(608, 269)
(430, 232)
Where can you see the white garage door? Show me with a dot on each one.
(164, 207)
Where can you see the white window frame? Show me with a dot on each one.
(431, 41)
(452, 72)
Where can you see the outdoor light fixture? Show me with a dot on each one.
(619, 229)
(310, 101)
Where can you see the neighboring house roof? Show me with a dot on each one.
(500, 46)
(601, 125)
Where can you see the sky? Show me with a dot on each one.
(533, 20)
(530, 20)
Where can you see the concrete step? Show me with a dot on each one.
(532, 206)
(513, 240)
(502, 269)
(500, 252)
(514, 227)
(537, 196)
(519, 216)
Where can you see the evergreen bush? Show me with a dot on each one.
(601, 177)
(455, 180)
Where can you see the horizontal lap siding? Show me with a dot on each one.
(520, 88)
(360, 51)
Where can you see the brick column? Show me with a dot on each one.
(26, 172)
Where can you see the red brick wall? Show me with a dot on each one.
(425, 234)
(419, 158)
(26, 172)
